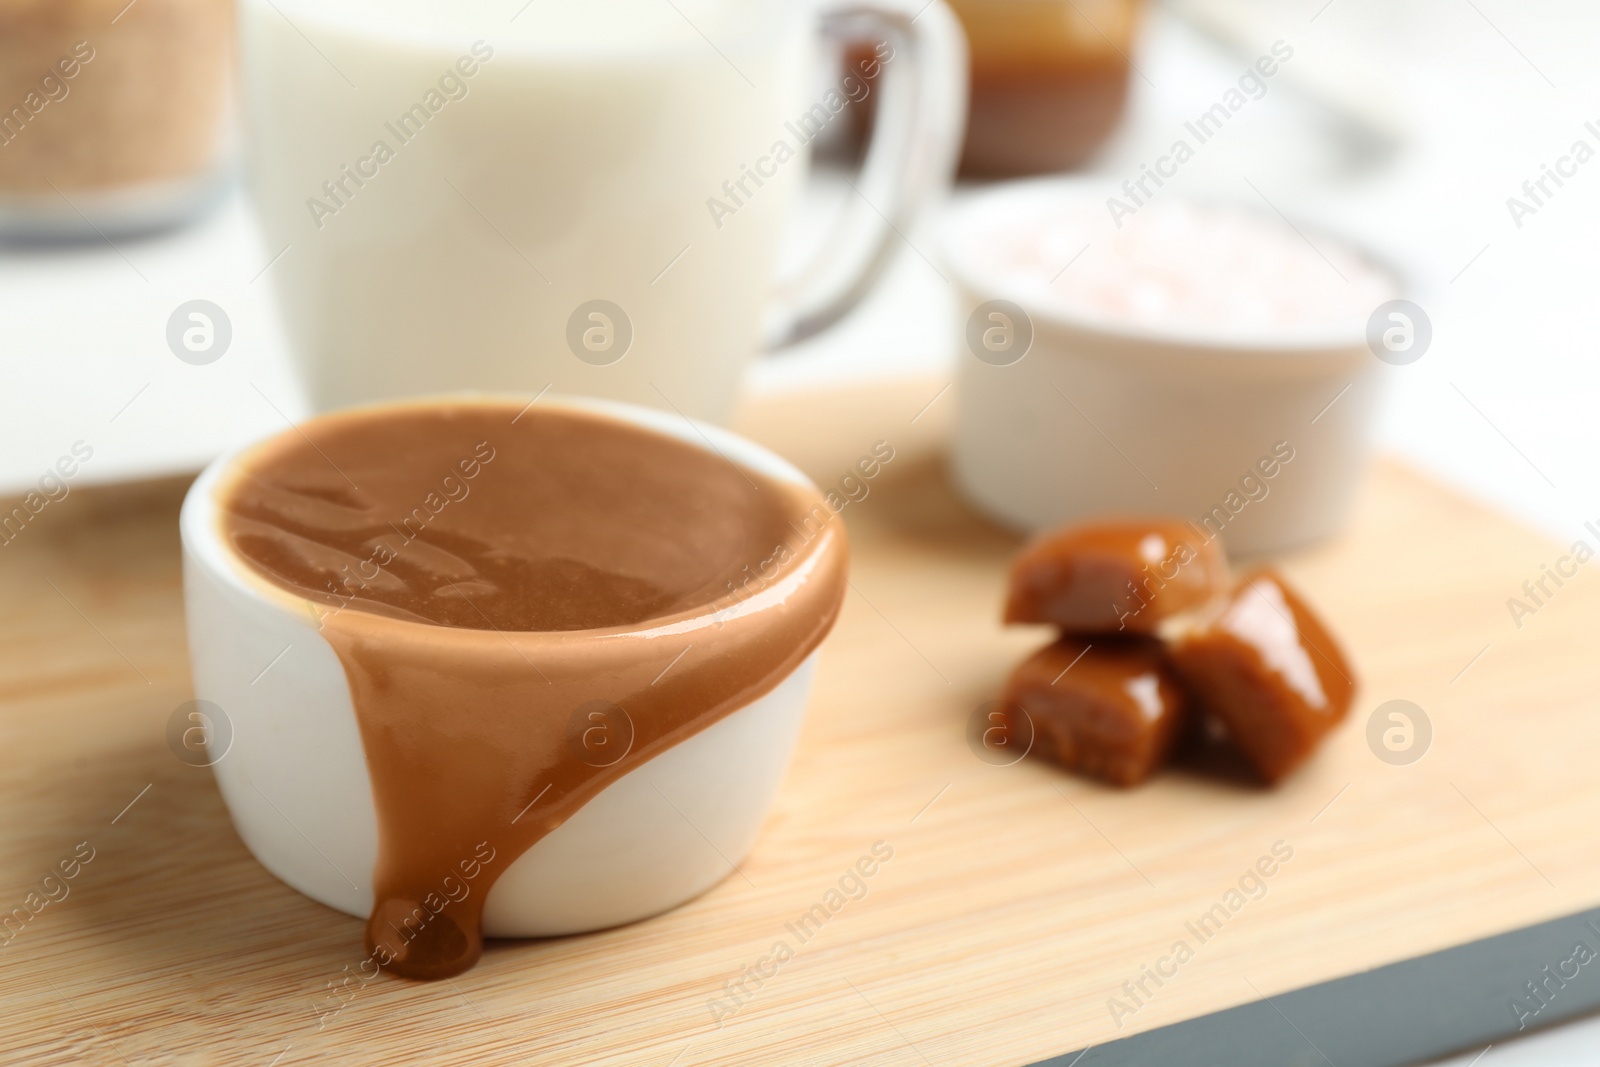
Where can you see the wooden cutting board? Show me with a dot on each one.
(1017, 902)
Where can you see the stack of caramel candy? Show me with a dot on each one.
(1159, 642)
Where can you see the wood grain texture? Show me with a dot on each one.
(1018, 899)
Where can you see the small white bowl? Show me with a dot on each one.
(294, 775)
(1096, 415)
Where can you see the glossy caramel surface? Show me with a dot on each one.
(1269, 669)
(1115, 576)
(456, 516)
(1106, 707)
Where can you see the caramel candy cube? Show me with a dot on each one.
(1115, 576)
(1267, 667)
(1107, 708)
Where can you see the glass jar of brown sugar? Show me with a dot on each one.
(114, 116)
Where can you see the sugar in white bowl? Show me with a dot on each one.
(1162, 365)
(1175, 268)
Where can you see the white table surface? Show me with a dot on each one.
(1503, 405)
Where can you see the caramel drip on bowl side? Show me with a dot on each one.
(508, 646)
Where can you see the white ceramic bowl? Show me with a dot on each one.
(1100, 417)
(295, 781)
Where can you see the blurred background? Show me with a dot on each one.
(1407, 126)
(125, 181)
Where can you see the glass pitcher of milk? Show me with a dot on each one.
(579, 195)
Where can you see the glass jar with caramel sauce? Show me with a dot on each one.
(1049, 81)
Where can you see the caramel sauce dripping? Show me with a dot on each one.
(527, 606)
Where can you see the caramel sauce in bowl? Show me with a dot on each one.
(485, 668)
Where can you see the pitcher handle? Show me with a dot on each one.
(909, 162)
